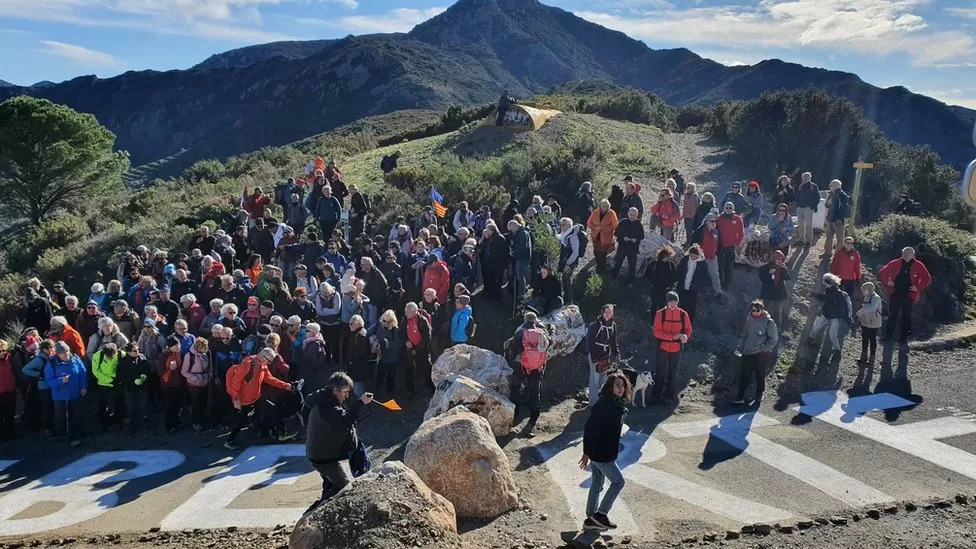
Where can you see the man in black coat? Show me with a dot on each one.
(37, 312)
(692, 276)
(629, 233)
(331, 437)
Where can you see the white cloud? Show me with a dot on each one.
(965, 13)
(226, 20)
(397, 20)
(79, 55)
(954, 96)
(876, 27)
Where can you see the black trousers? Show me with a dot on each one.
(666, 375)
(8, 408)
(69, 418)
(330, 335)
(869, 340)
(419, 364)
(533, 389)
(386, 375)
(172, 401)
(753, 367)
(240, 420)
(198, 404)
(630, 254)
(110, 405)
(899, 306)
(726, 260)
(688, 300)
(327, 229)
(357, 226)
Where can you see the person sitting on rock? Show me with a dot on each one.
(547, 292)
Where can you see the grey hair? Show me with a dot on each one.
(267, 354)
(313, 328)
(831, 278)
(339, 381)
(530, 317)
(59, 321)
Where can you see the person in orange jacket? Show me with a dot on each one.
(602, 225)
(61, 330)
(244, 383)
(438, 277)
(846, 264)
(905, 279)
(731, 231)
(672, 327)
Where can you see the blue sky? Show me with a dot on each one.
(928, 46)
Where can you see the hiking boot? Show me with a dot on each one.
(230, 445)
(603, 521)
(591, 525)
(285, 437)
(529, 430)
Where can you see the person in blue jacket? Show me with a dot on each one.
(66, 376)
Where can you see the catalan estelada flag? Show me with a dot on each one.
(437, 201)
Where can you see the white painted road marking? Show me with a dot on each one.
(208, 508)
(85, 487)
(836, 409)
(736, 431)
(562, 464)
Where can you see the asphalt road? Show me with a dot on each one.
(694, 469)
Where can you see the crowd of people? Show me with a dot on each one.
(256, 317)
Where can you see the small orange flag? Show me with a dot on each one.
(390, 405)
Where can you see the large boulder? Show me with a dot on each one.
(390, 507)
(568, 330)
(457, 456)
(485, 367)
(754, 249)
(458, 390)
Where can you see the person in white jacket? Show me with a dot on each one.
(570, 250)
(870, 317)
(328, 308)
(464, 217)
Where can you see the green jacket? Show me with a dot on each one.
(105, 368)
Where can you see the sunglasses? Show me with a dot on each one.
(783, 210)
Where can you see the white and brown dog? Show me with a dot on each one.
(644, 382)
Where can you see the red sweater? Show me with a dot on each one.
(709, 245)
(846, 265)
(730, 230)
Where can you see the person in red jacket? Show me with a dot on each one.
(438, 277)
(244, 382)
(731, 231)
(254, 204)
(709, 246)
(672, 327)
(905, 279)
(667, 213)
(847, 265)
(8, 393)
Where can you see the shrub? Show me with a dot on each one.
(945, 250)
(593, 288)
(545, 245)
(407, 178)
(210, 170)
(692, 116)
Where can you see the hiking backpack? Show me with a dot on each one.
(535, 344)
(584, 239)
(884, 309)
(843, 205)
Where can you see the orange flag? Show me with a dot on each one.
(390, 405)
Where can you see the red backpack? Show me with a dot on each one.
(535, 343)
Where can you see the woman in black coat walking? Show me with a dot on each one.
(601, 443)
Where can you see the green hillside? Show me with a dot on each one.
(569, 149)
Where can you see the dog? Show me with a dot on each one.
(644, 382)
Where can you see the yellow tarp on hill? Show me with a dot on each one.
(529, 118)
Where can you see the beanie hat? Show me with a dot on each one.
(61, 347)
(672, 296)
